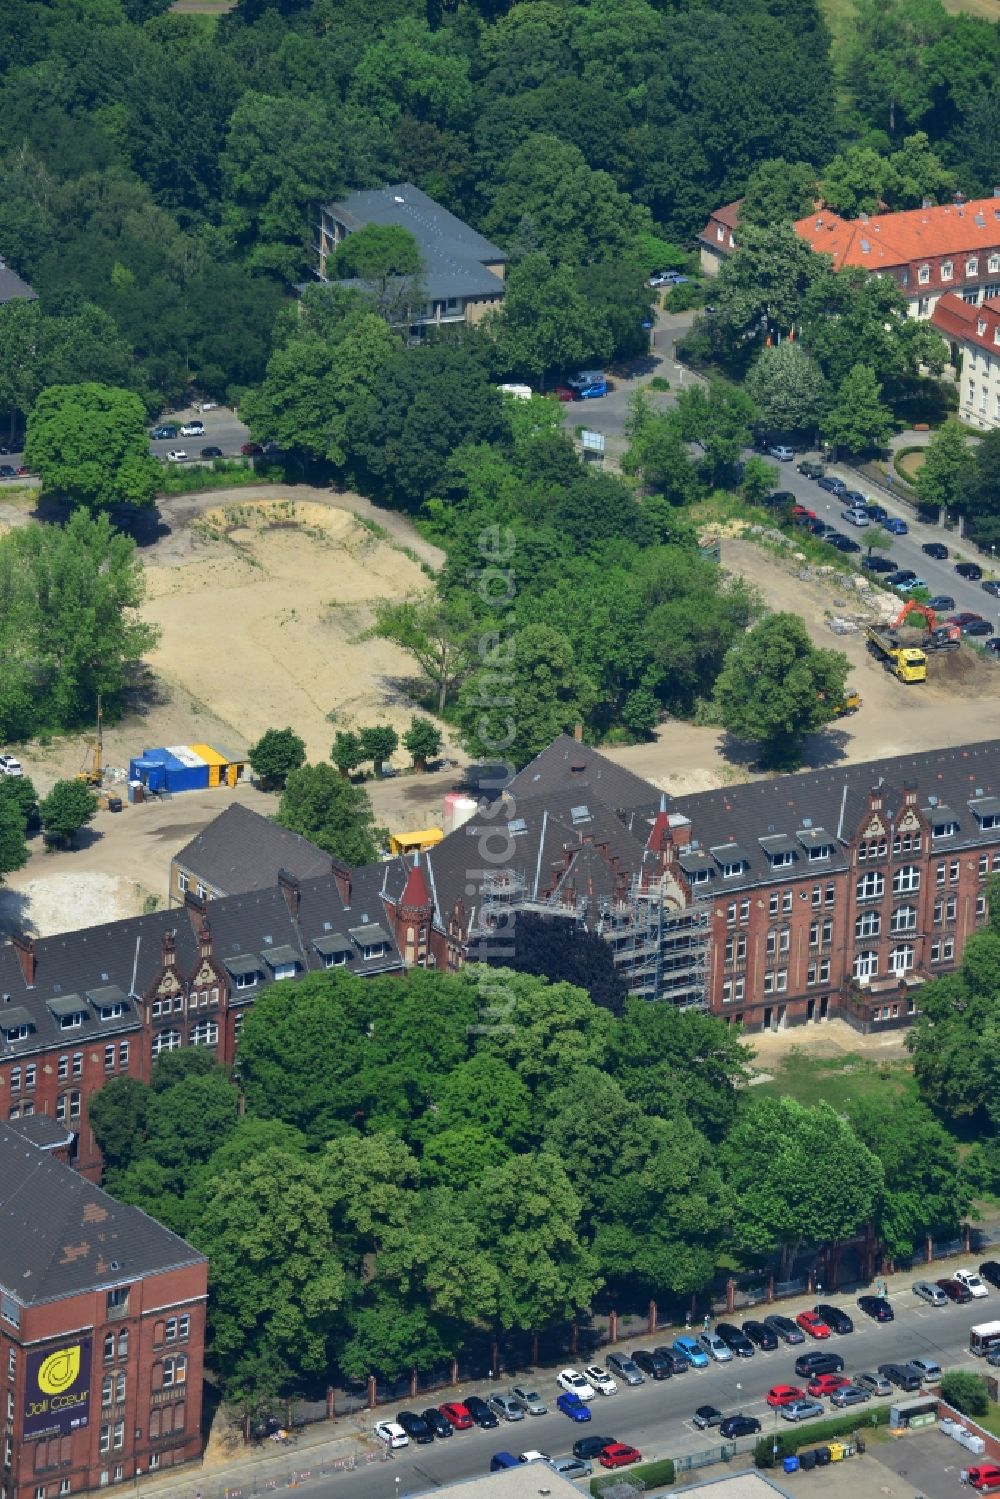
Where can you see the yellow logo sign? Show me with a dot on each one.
(59, 1370)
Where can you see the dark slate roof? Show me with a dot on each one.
(454, 255)
(566, 764)
(60, 1235)
(42, 1130)
(239, 851)
(13, 288)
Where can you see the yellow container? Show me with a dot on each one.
(838, 1451)
(216, 763)
(409, 843)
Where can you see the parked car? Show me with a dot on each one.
(587, 1448)
(595, 391)
(971, 1281)
(895, 526)
(832, 485)
(911, 585)
(10, 765)
(936, 549)
(901, 575)
(417, 1429)
(534, 1456)
(563, 393)
(480, 1412)
(930, 1370)
(193, 429)
(758, 1332)
(784, 1394)
(687, 1347)
(165, 431)
(501, 1460)
(992, 587)
(856, 516)
(977, 627)
(667, 278)
(529, 1400)
(835, 1318)
(738, 1426)
(990, 1270)
(677, 1363)
(714, 1347)
(600, 1380)
(211, 452)
(457, 1414)
(782, 497)
(963, 617)
(874, 1383)
(652, 1364)
(785, 1328)
(803, 1410)
(439, 1424)
(876, 512)
(781, 452)
(878, 564)
(849, 1394)
(813, 1324)
(7, 471)
(574, 1407)
(506, 1407)
(985, 1477)
(176, 455)
(619, 1455)
(571, 1467)
(809, 1364)
(993, 1358)
(811, 470)
(574, 1383)
(970, 570)
(843, 543)
(706, 1416)
(735, 1339)
(391, 1433)
(826, 1384)
(940, 602)
(992, 646)
(929, 1292)
(903, 1376)
(625, 1367)
(876, 1307)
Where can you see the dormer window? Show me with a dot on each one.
(924, 274)
(371, 941)
(700, 876)
(943, 821)
(980, 326)
(945, 829)
(282, 961)
(994, 263)
(947, 270)
(720, 233)
(819, 852)
(972, 266)
(69, 1010)
(986, 810)
(243, 969)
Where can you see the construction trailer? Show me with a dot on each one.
(411, 843)
(185, 767)
(216, 763)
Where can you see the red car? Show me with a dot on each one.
(826, 1384)
(985, 1477)
(813, 1324)
(802, 513)
(457, 1415)
(619, 1455)
(783, 1394)
(563, 393)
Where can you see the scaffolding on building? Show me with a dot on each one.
(660, 950)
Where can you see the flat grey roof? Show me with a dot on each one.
(370, 934)
(108, 994)
(334, 943)
(67, 1004)
(13, 1016)
(278, 957)
(242, 963)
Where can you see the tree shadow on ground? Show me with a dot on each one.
(821, 750)
(14, 908)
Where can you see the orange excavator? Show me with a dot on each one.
(940, 637)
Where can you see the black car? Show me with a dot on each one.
(439, 1425)
(941, 601)
(735, 1339)
(786, 1329)
(935, 549)
(211, 452)
(816, 1363)
(417, 1429)
(652, 1364)
(977, 627)
(739, 1426)
(990, 1270)
(878, 564)
(705, 1416)
(955, 1291)
(782, 497)
(835, 1318)
(817, 527)
(855, 499)
(676, 1362)
(833, 486)
(480, 1411)
(758, 1332)
(903, 1376)
(876, 512)
(7, 472)
(901, 575)
(993, 646)
(843, 543)
(991, 586)
(164, 431)
(590, 1447)
(877, 1308)
(810, 470)
(970, 570)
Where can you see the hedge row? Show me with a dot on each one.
(794, 1437)
(655, 1475)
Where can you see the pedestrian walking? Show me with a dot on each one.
(963, 1477)
(687, 1322)
(708, 1321)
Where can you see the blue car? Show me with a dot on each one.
(688, 1348)
(832, 486)
(592, 392)
(574, 1407)
(896, 526)
(910, 586)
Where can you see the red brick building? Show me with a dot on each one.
(102, 1332)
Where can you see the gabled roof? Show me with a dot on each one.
(883, 240)
(956, 318)
(565, 764)
(240, 851)
(60, 1235)
(12, 287)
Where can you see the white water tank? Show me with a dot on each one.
(459, 807)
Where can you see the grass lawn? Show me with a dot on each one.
(991, 1421)
(835, 1080)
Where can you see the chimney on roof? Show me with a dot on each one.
(927, 202)
(205, 940)
(909, 793)
(578, 732)
(24, 946)
(342, 875)
(194, 905)
(291, 890)
(168, 950)
(577, 767)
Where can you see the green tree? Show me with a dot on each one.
(347, 752)
(719, 420)
(760, 479)
(924, 1187)
(379, 743)
(276, 754)
(980, 494)
(525, 694)
(322, 806)
(276, 1283)
(657, 452)
(916, 173)
(877, 540)
(855, 181)
(760, 290)
(966, 1392)
(69, 806)
(117, 1115)
(386, 259)
(88, 442)
(545, 323)
(778, 191)
(949, 461)
(19, 792)
(800, 1176)
(438, 633)
(546, 1032)
(13, 849)
(776, 687)
(857, 419)
(423, 741)
(788, 389)
(852, 311)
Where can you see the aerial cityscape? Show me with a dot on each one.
(500, 748)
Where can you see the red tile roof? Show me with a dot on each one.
(728, 214)
(957, 319)
(895, 239)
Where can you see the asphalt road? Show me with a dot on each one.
(657, 1417)
(222, 430)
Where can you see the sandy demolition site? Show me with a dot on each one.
(264, 599)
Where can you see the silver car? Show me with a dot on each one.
(929, 1292)
(529, 1400)
(876, 1384)
(930, 1372)
(505, 1407)
(571, 1467)
(712, 1344)
(625, 1368)
(802, 1410)
(849, 1394)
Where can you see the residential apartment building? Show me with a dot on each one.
(973, 334)
(929, 251)
(238, 852)
(462, 274)
(102, 1333)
